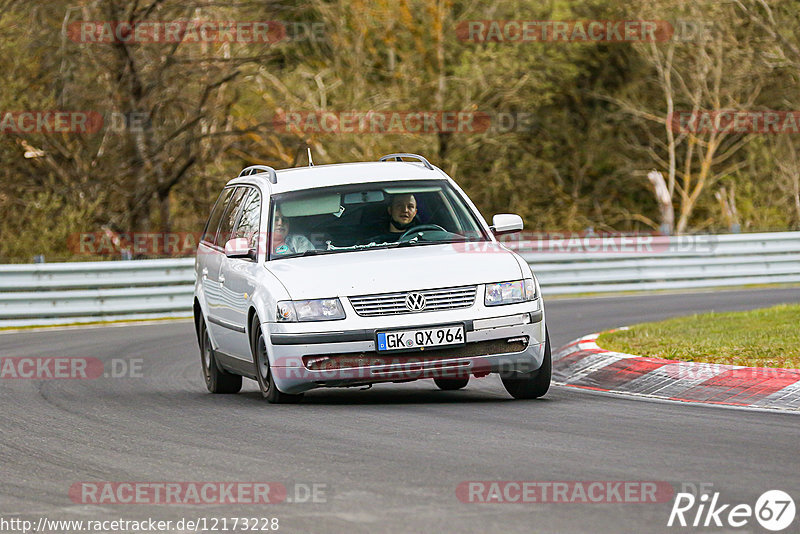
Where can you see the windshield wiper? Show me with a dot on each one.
(431, 242)
(310, 252)
(410, 242)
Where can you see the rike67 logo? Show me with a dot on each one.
(774, 510)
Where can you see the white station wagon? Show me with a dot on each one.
(359, 273)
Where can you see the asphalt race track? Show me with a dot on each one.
(384, 460)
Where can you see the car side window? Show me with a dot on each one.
(210, 231)
(225, 230)
(250, 219)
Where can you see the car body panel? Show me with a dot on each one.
(385, 270)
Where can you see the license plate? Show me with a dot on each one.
(421, 338)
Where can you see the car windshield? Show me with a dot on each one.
(359, 217)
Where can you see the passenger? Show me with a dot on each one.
(284, 242)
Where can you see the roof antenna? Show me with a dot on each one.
(310, 162)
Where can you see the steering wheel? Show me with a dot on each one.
(421, 227)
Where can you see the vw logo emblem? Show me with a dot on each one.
(415, 301)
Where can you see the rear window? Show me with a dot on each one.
(212, 224)
(228, 219)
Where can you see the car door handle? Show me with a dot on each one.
(222, 279)
(205, 272)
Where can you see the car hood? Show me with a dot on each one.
(387, 270)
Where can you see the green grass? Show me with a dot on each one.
(768, 337)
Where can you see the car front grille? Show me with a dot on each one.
(451, 298)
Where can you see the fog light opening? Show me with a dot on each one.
(315, 363)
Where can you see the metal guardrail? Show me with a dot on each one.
(61, 293)
(658, 263)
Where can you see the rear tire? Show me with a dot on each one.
(451, 384)
(217, 380)
(533, 385)
(263, 371)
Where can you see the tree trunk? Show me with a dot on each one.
(664, 199)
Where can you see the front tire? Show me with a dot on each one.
(533, 385)
(217, 380)
(263, 371)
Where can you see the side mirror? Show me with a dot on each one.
(238, 247)
(506, 223)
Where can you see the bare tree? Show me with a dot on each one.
(163, 104)
(714, 71)
(664, 199)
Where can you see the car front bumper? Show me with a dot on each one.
(510, 341)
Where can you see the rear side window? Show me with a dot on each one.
(226, 225)
(212, 224)
(250, 218)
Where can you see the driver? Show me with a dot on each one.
(402, 212)
(402, 216)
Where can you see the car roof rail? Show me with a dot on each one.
(401, 155)
(259, 169)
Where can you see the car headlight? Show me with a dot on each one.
(291, 311)
(510, 292)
